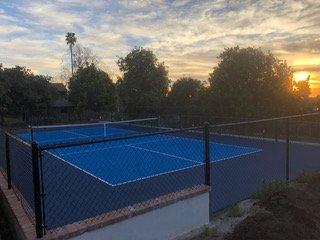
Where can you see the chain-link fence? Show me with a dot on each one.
(84, 179)
(3, 164)
(114, 174)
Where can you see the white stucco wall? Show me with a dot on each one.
(160, 224)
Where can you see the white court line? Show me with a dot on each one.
(168, 138)
(165, 154)
(235, 156)
(81, 169)
(116, 146)
(159, 174)
(225, 144)
(122, 183)
(79, 134)
(150, 176)
(70, 139)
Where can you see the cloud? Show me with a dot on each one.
(187, 34)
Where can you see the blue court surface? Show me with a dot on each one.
(87, 180)
(135, 159)
(123, 161)
(73, 134)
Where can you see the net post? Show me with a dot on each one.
(104, 129)
(31, 133)
(275, 125)
(287, 150)
(206, 136)
(8, 162)
(36, 190)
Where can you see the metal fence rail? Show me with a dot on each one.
(65, 182)
(109, 175)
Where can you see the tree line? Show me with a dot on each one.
(247, 82)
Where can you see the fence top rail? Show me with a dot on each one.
(93, 123)
(264, 120)
(17, 138)
(106, 139)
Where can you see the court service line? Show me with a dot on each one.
(235, 156)
(126, 182)
(78, 168)
(78, 134)
(158, 174)
(165, 154)
(117, 146)
(225, 144)
(70, 139)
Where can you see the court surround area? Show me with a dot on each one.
(88, 170)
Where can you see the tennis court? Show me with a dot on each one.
(149, 156)
(89, 170)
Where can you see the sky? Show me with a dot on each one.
(188, 35)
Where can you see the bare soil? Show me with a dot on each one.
(288, 213)
(292, 212)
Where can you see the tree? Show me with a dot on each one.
(25, 91)
(186, 95)
(92, 89)
(83, 57)
(4, 98)
(302, 88)
(251, 83)
(71, 40)
(144, 84)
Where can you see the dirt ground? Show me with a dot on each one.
(290, 212)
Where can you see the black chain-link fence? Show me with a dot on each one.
(82, 179)
(114, 174)
(3, 164)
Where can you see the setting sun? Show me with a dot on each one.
(300, 76)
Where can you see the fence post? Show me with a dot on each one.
(206, 135)
(287, 150)
(36, 189)
(8, 162)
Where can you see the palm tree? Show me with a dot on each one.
(71, 40)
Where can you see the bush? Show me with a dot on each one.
(234, 211)
(268, 189)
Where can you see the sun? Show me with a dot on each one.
(300, 76)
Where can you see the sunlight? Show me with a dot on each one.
(300, 76)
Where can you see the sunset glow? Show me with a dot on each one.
(187, 35)
(300, 76)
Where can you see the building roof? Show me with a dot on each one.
(61, 102)
(60, 87)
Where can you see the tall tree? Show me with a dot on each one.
(28, 92)
(83, 57)
(71, 40)
(4, 98)
(92, 89)
(249, 82)
(144, 84)
(186, 96)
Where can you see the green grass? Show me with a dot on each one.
(268, 189)
(208, 232)
(234, 212)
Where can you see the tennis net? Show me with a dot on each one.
(73, 132)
